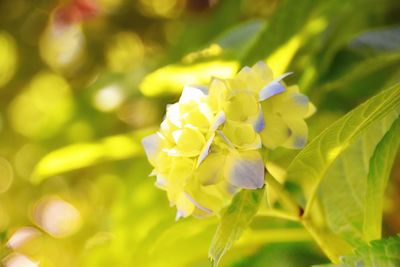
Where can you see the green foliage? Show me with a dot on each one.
(89, 155)
(379, 172)
(234, 221)
(311, 164)
(219, 58)
(350, 209)
(379, 253)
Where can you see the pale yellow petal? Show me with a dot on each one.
(276, 131)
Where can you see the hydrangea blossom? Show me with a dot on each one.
(209, 144)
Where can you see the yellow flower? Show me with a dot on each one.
(182, 143)
(254, 97)
(284, 117)
(209, 144)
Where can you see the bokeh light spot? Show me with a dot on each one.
(26, 158)
(139, 113)
(57, 217)
(6, 175)
(43, 106)
(161, 8)
(125, 51)
(22, 236)
(19, 260)
(62, 48)
(108, 99)
(8, 56)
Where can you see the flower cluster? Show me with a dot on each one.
(208, 146)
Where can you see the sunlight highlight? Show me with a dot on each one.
(172, 78)
(109, 98)
(333, 153)
(22, 236)
(57, 217)
(282, 57)
(8, 56)
(19, 260)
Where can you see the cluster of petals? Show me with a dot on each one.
(209, 144)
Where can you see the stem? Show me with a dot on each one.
(322, 243)
(278, 214)
(297, 215)
(287, 199)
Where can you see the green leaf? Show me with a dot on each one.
(82, 155)
(379, 253)
(341, 153)
(352, 209)
(234, 221)
(380, 167)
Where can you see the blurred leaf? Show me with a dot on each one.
(172, 78)
(279, 31)
(310, 165)
(234, 221)
(344, 25)
(82, 155)
(280, 59)
(218, 59)
(360, 71)
(237, 41)
(189, 238)
(378, 41)
(379, 253)
(282, 255)
(199, 30)
(354, 209)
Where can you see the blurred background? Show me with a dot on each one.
(82, 81)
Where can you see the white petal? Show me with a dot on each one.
(160, 182)
(192, 93)
(219, 120)
(151, 145)
(172, 152)
(273, 88)
(174, 115)
(176, 135)
(197, 204)
(246, 171)
(270, 90)
(283, 76)
(206, 149)
(179, 214)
